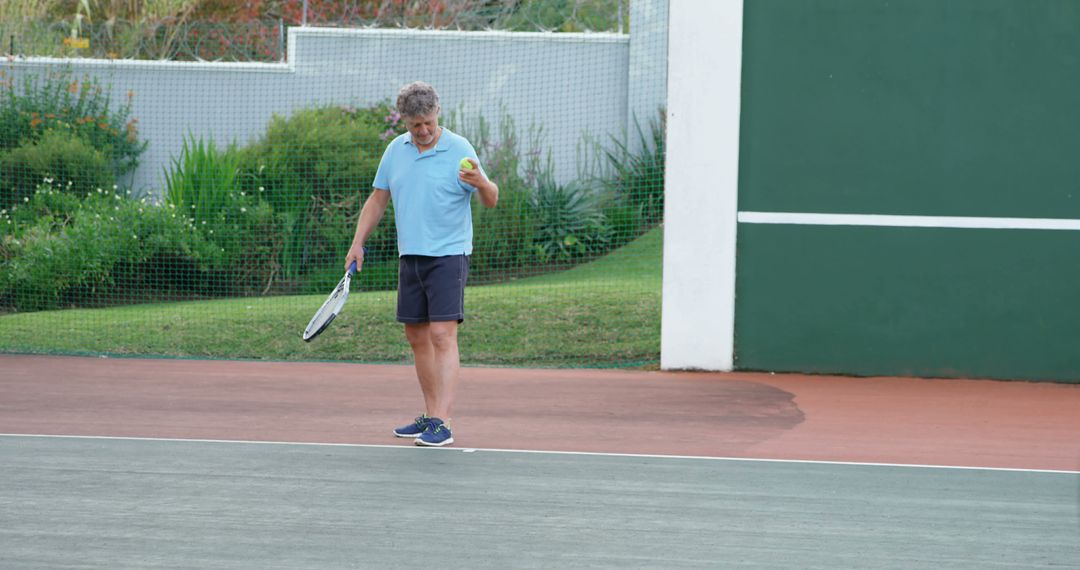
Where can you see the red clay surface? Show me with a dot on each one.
(879, 420)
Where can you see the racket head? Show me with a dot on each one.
(330, 307)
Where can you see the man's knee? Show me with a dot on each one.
(417, 334)
(443, 335)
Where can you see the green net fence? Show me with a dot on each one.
(162, 200)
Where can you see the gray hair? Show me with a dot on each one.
(417, 99)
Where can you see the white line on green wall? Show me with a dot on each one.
(800, 218)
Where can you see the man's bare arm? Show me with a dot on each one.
(370, 215)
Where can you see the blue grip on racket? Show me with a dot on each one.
(352, 266)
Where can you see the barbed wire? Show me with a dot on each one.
(264, 39)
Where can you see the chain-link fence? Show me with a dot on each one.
(206, 209)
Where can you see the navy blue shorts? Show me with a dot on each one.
(432, 288)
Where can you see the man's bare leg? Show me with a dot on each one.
(424, 357)
(435, 349)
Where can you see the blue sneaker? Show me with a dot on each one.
(414, 429)
(437, 434)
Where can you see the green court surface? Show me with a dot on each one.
(140, 503)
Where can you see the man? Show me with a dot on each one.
(422, 172)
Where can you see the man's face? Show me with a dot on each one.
(423, 128)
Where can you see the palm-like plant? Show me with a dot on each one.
(569, 222)
(638, 175)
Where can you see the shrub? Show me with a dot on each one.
(59, 250)
(249, 234)
(564, 16)
(61, 103)
(56, 158)
(312, 168)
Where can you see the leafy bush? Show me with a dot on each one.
(61, 103)
(566, 16)
(70, 163)
(57, 250)
(312, 168)
(249, 234)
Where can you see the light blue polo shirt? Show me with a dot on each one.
(431, 205)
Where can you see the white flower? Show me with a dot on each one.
(242, 210)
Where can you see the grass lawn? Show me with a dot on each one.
(605, 313)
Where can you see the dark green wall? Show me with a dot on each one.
(936, 107)
(920, 107)
(909, 301)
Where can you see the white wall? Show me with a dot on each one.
(647, 85)
(701, 186)
(570, 84)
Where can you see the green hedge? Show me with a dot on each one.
(71, 163)
(59, 250)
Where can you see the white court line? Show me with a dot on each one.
(539, 452)
(801, 218)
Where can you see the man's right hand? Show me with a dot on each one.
(356, 253)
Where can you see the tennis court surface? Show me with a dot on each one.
(113, 463)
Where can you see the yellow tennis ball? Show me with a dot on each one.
(465, 164)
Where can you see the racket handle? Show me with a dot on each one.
(352, 266)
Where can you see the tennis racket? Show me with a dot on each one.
(331, 307)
